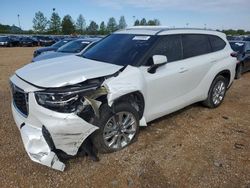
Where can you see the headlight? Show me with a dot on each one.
(64, 100)
(60, 102)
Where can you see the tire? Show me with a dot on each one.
(239, 71)
(215, 94)
(117, 137)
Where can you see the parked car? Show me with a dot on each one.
(229, 38)
(247, 38)
(53, 47)
(28, 41)
(64, 105)
(44, 40)
(8, 42)
(72, 47)
(243, 55)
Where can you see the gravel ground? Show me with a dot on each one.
(194, 147)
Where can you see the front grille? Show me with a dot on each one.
(20, 100)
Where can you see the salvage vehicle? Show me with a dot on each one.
(44, 40)
(28, 41)
(98, 100)
(243, 55)
(8, 42)
(53, 47)
(72, 47)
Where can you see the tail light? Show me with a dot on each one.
(234, 54)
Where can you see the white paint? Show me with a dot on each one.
(173, 86)
(64, 71)
(68, 131)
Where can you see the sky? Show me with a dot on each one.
(214, 14)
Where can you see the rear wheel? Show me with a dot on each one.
(216, 92)
(118, 128)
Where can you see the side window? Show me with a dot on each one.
(169, 46)
(216, 43)
(195, 44)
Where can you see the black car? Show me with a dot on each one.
(53, 47)
(243, 55)
(28, 41)
(44, 40)
(235, 38)
(7, 41)
(246, 38)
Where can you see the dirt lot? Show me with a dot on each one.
(195, 147)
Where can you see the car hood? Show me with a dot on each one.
(44, 49)
(63, 71)
(49, 55)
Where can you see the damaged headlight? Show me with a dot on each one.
(65, 100)
(61, 102)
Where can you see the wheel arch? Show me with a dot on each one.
(136, 99)
(226, 74)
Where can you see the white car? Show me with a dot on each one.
(128, 79)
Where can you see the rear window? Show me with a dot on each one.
(216, 43)
(195, 45)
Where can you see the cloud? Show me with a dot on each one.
(197, 5)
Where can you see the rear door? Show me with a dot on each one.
(173, 85)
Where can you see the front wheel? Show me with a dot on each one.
(118, 128)
(216, 92)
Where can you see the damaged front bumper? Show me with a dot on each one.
(66, 130)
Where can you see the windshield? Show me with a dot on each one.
(120, 49)
(3, 39)
(60, 43)
(73, 46)
(237, 46)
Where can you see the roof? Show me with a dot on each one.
(164, 30)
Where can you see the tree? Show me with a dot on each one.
(111, 25)
(143, 21)
(102, 30)
(40, 22)
(68, 26)
(153, 22)
(80, 24)
(122, 23)
(92, 28)
(241, 32)
(137, 22)
(55, 23)
(157, 22)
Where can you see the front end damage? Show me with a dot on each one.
(49, 134)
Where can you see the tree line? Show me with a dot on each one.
(66, 25)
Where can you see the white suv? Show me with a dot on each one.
(64, 105)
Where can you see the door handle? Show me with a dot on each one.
(183, 69)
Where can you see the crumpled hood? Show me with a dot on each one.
(62, 71)
(49, 55)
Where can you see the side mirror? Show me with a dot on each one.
(158, 60)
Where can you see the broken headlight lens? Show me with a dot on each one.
(60, 102)
(66, 99)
